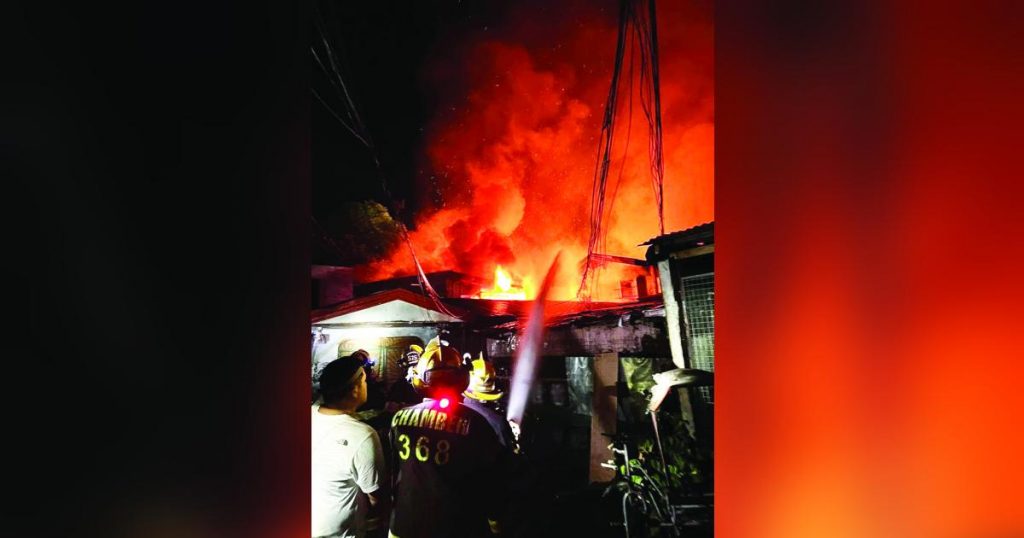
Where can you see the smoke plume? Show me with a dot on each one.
(510, 156)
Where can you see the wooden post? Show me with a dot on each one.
(673, 314)
(604, 414)
(686, 408)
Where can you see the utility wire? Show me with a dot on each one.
(336, 116)
(658, 160)
(643, 28)
(362, 133)
(604, 149)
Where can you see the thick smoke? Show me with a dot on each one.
(512, 150)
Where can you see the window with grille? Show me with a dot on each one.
(699, 302)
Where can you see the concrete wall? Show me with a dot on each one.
(645, 337)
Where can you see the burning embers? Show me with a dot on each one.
(504, 287)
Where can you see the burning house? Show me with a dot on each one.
(499, 178)
(598, 359)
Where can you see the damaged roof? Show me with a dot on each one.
(490, 311)
(594, 313)
(500, 314)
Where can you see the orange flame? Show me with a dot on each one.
(503, 287)
(502, 279)
(509, 158)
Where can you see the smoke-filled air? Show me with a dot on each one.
(510, 155)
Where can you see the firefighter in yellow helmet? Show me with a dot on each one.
(442, 450)
(484, 396)
(438, 359)
(411, 359)
(402, 390)
(482, 382)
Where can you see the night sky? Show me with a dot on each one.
(383, 48)
(399, 63)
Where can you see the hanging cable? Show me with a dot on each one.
(344, 124)
(424, 282)
(658, 159)
(358, 128)
(647, 30)
(604, 150)
(642, 28)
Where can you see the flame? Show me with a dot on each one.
(502, 280)
(503, 287)
(509, 156)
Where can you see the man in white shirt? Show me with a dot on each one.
(347, 456)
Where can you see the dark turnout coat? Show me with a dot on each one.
(451, 472)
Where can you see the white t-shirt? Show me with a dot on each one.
(346, 455)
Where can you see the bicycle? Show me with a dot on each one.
(646, 509)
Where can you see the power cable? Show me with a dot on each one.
(642, 28)
(362, 133)
(604, 149)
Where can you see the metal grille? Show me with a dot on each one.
(579, 373)
(699, 302)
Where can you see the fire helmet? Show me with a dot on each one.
(412, 356)
(481, 382)
(439, 368)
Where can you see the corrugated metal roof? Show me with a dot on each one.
(698, 237)
(700, 232)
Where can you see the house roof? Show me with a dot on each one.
(561, 313)
(490, 313)
(700, 232)
(377, 299)
(695, 237)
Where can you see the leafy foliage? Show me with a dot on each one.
(686, 470)
(360, 232)
(689, 470)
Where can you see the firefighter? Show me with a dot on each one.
(483, 395)
(412, 358)
(402, 391)
(442, 451)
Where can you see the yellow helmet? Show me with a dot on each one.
(481, 382)
(441, 363)
(411, 357)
